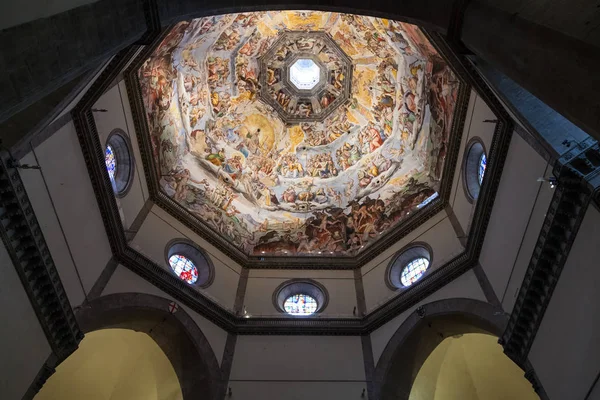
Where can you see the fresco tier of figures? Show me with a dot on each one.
(309, 188)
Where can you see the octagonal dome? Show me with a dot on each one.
(269, 185)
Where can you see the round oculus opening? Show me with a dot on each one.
(305, 74)
(300, 304)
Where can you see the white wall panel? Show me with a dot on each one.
(297, 358)
(532, 232)
(260, 289)
(444, 243)
(566, 349)
(118, 116)
(244, 390)
(461, 206)
(24, 345)
(48, 220)
(465, 286)
(125, 281)
(516, 195)
(158, 230)
(65, 172)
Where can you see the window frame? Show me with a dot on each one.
(308, 287)
(120, 143)
(197, 255)
(400, 261)
(474, 149)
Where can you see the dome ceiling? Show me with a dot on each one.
(298, 133)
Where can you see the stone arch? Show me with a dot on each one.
(421, 333)
(176, 334)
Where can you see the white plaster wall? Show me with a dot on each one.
(24, 347)
(525, 251)
(86, 246)
(297, 367)
(118, 115)
(159, 229)
(566, 349)
(57, 244)
(437, 233)
(263, 283)
(478, 111)
(303, 390)
(516, 195)
(465, 286)
(125, 281)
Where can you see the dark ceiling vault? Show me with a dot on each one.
(53, 51)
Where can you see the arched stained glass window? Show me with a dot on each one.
(300, 304)
(184, 268)
(111, 162)
(414, 270)
(481, 171)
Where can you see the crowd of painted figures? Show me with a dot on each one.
(306, 188)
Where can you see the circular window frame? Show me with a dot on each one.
(125, 162)
(201, 260)
(401, 259)
(470, 168)
(308, 287)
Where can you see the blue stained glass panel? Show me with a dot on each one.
(300, 304)
(111, 162)
(184, 268)
(414, 270)
(481, 171)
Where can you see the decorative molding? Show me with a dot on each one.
(23, 238)
(577, 172)
(318, 325)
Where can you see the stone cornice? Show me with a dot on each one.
(22, 236)
(577, 172)
(227, 319)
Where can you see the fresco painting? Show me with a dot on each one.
(308, 188)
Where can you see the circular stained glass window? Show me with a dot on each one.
(481, 171)
(300, 304)
(118, 161)
(111, 162)
(413, 271)
(184, 268)
(305, 74)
